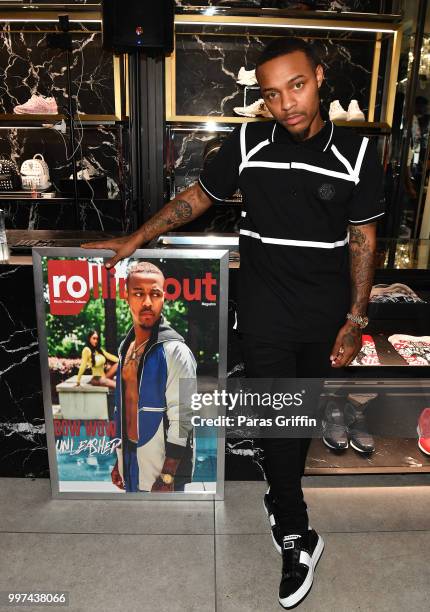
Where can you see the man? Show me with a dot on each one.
(311, 193)
(156, 452)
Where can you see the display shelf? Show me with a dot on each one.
(15, 119)
(392, 456)
(291, 13)
(211, 124)
(28, 198)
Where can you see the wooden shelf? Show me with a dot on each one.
(370, 127)
(27, 198)
(49, 119)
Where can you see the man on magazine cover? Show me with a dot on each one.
(156, 453)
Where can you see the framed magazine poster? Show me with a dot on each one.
(116, 346)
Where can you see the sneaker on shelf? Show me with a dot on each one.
(246, 77)
(300, 555)
(423, 430)
(269, 506)
(354, 112)
(257, 109)
(337, 112)
(359, 438)
(333, 427)
(37, 105)
(338, 5)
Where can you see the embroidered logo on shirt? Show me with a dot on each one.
(326, 191)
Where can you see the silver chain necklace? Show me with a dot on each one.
(134, 351)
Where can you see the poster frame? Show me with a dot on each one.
(216, 254)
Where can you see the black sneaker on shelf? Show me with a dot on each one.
(333, 427)
(359, 438)
(300, 555)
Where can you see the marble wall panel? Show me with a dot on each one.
(27, 67)
(23, 450)
(207, 65)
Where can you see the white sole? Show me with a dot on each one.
(360, 450)
(356, 118)
(335, 447)
(292, 600)
(339, 118)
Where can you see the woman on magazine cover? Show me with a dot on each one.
(95, 357)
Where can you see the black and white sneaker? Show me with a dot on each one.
(300, 555)
(269, 506)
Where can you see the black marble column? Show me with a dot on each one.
(23, 450)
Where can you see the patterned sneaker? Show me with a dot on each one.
(359, 438)
(246, 77)
(37, 105)
(300, 555)
(354, 112)
(269, 506)
(257, 109)
(337, 112)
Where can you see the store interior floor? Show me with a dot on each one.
(204, 556)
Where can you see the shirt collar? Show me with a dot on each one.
(320, 141)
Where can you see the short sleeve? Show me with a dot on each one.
(367, 203)
(219, 180)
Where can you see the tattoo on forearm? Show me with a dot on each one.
(362, 266)
(176, 213)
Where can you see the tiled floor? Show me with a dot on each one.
(206, 556)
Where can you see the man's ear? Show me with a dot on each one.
(319, 74)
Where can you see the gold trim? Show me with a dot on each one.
(117, 84)
(168, 76)
(33, 16)
(127, 86)
(215, 119)
(283, 22)
(375, 74)
(394, 71)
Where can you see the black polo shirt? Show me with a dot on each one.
(299, 198)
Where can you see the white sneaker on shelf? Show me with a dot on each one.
(354, 112)
(37, 105)
(337, 112)
(246, 77)
(257, 109)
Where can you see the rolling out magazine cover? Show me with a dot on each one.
(114, 346)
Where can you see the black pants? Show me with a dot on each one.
(284, 458)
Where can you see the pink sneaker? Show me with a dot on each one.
(424, 431)
(37, 105)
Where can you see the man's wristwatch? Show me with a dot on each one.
(358, 320)
(167, 478)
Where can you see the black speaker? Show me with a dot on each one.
(129, 25)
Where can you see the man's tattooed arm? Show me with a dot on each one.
(362, 250)
(190, 204)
